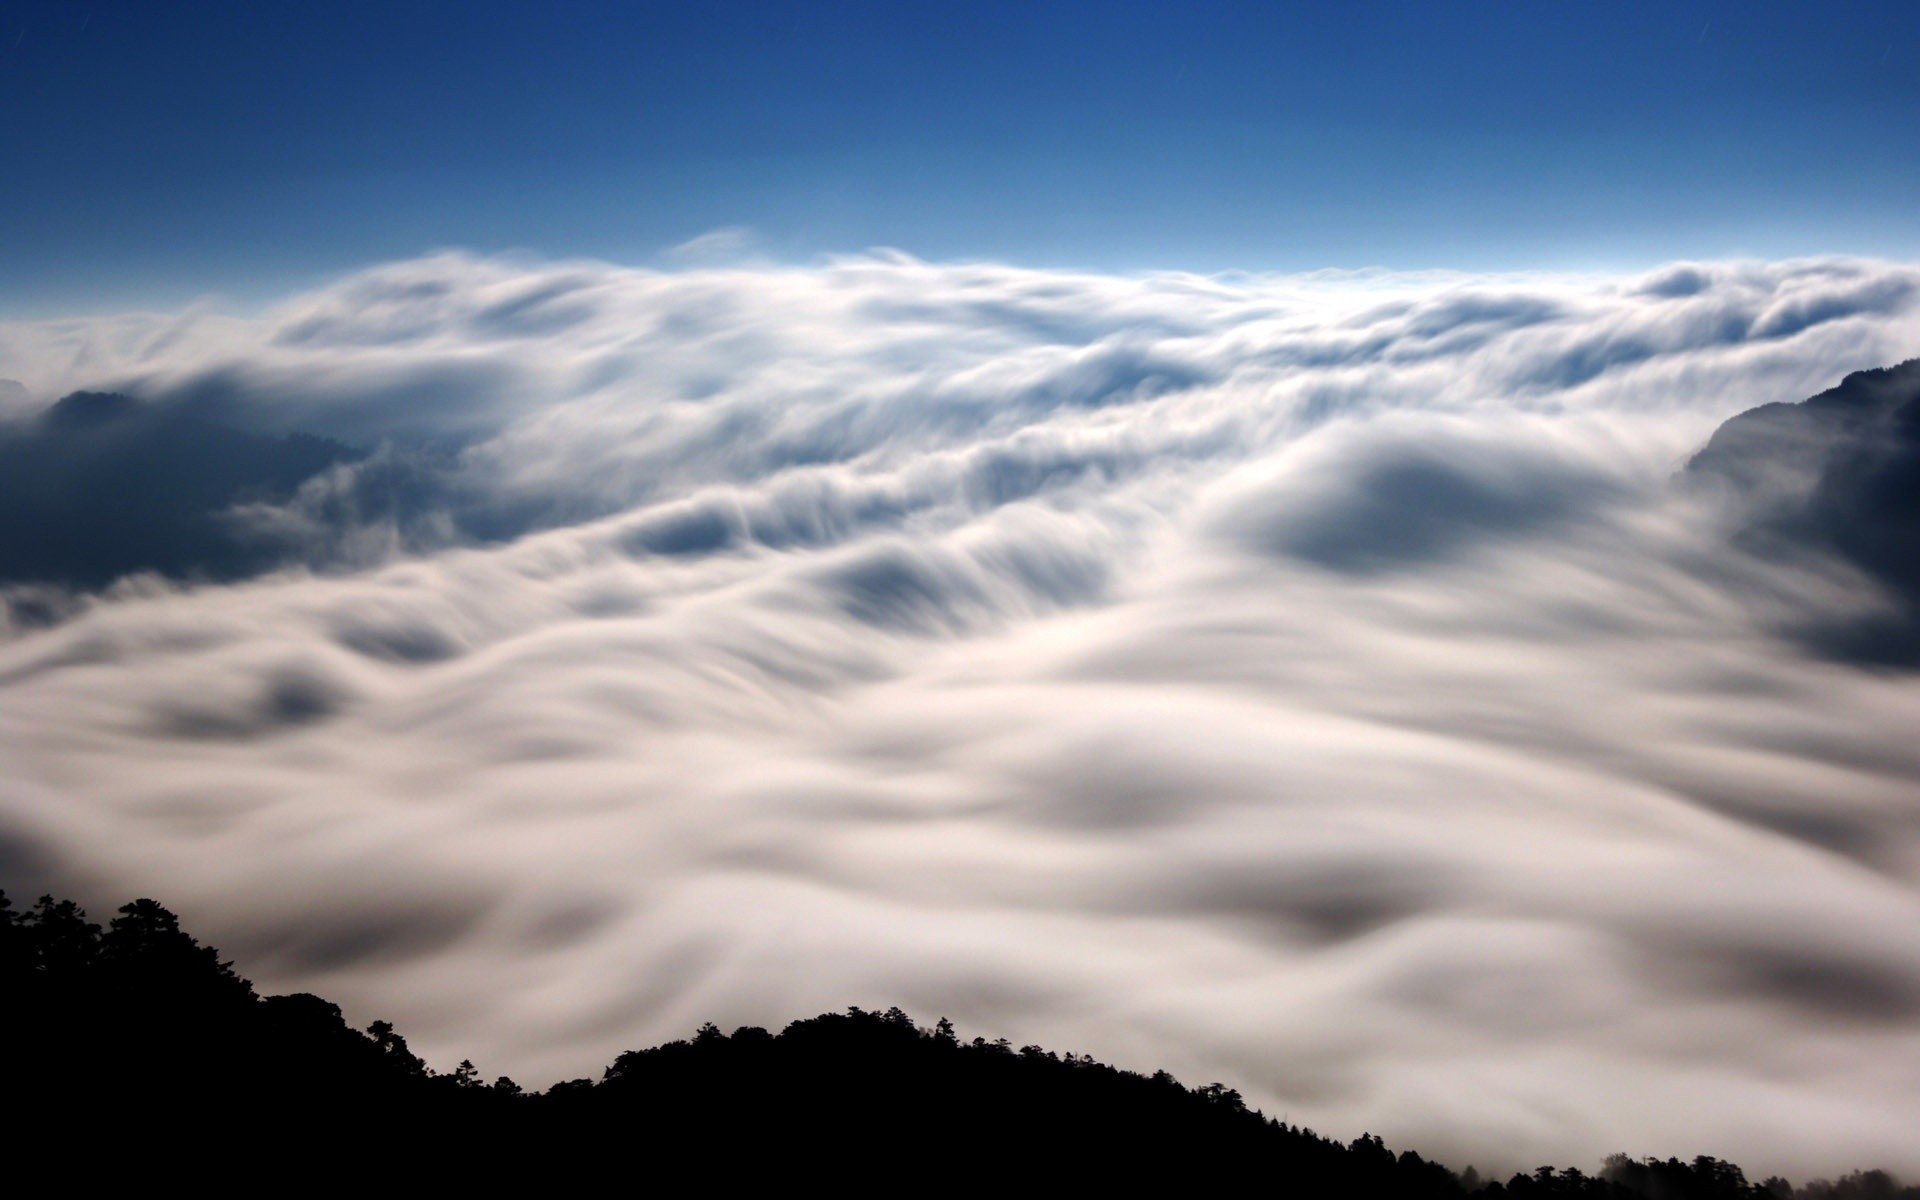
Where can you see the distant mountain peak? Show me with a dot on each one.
(1839, 475)
(103, 484)
(90, 410)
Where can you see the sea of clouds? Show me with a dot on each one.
(1314, 683)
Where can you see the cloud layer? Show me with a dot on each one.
(1313, 683)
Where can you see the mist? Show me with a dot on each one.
(1320, 683)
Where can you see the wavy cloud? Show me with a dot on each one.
(1314, 683)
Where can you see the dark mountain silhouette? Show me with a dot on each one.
(134, 1054)
(102, 485)
(1838, 475)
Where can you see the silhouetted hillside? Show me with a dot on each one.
(132, 1053)
(1838, 474)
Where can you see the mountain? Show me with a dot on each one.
(1837, 475)
(133, 1054)
(14, 395)
(103, 485)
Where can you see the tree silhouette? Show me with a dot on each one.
(147, 1059)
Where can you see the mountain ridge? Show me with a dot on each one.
(146, 1040)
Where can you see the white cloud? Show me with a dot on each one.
(1306, 682)
(715, 245)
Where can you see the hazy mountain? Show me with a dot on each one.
(14, 396)
(1838, 475)
(102, 485)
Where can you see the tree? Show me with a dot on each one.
(60, 936)
(146, 940)
(394, 1047)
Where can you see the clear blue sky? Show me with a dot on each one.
(150, 151)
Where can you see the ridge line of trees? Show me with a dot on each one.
(138, 1028)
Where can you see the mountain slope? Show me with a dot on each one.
(1836, 475)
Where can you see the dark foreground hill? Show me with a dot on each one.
(133, 1055)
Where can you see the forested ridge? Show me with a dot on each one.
(133, 1052)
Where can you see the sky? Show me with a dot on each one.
(163, 152)
(1179, 537)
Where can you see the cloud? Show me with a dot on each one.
(715, 245)
(1314, 683)
(1368, 502)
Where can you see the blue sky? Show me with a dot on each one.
(154, 152)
